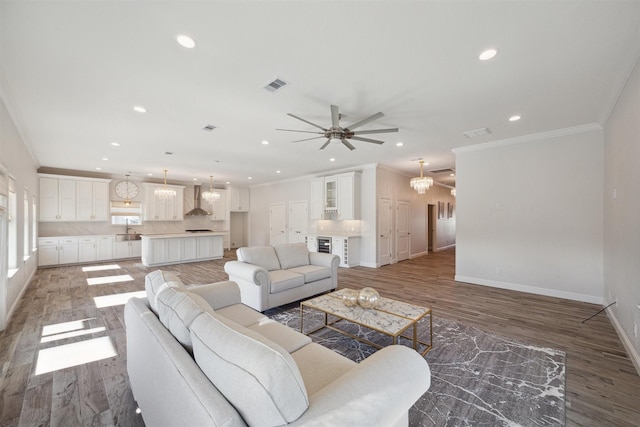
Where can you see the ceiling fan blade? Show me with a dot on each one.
(335, 117)
(325, 144)
(304, 131)
(308, 139)
(347, 144)
(376, 116)
(306, 121)
(363, 132)
(359, 138)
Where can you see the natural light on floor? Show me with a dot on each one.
(68, 355)
(101, 267)
(64, 330)
(117, 299)
(109, 279)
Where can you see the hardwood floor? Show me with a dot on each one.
(602, 387)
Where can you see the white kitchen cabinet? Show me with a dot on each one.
(238, 199)
(348, 205)
(312, 243)
(189, 248)
(63, 250)
(87, 249)
(347, 249)
(92, 200)
(316, 199)
(57, 199)
(209, 247)
(104, 248)
(330, 194)
(219, 207)
(156, 209)
(127, 249)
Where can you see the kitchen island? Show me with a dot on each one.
(178, 248)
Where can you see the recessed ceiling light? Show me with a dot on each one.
(277, 171)
(115, 144)
(514, 118)
(98, 169)
(195, 179)
(399, 144)
(228, 182)
(105, 158)
(249, 177)
(452, 174)
(265, 142)
(149, 174)
(332, 159)
(139, 109)
(487, 54)
(185, 41)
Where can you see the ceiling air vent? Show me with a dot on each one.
(476, 133)
(275, 85)
(445, 170)
(209, 128)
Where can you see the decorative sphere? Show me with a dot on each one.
(350, 297)
(368, 298)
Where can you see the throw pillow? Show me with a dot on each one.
(264, 256)
(292, 255)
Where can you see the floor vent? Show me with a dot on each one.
(476, 133)
(275, 85)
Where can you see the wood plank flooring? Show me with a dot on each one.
(602, 388)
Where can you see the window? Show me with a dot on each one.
(27, 223)
(13, 228)
(126, 214)
(34, 224)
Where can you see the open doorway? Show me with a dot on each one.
(431, 227)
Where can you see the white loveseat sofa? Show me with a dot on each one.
(196, 356)
(271, 276)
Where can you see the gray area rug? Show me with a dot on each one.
(477, 378)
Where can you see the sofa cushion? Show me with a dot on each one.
(264, 256)
(312, 272)
(320, 366)
(257, 376)
(177, 310)
(286, 337)
(281, 280)
(241, 314)
(292, 255)
(156, 281)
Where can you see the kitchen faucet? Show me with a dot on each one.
(126, 225)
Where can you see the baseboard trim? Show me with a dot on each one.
(626, 341)
(369, 265)
(419, 254)
(530, 289)
(442, 248)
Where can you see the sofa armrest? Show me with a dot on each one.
(247, 272)
(377, 392)
(323, 259)
(218, 295)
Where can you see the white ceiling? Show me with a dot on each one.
(72, 71)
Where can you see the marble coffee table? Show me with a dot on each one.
(390, 317)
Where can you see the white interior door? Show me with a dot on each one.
(277, 224)
(298, 221)
(403, 242)
(384, 231)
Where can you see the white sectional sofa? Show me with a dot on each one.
(271, 276)
(196, 356)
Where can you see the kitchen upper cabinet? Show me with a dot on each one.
(238, 199)
(157, 209)
(92, 201)
(335, 197)
(219, 207)
(316, 202)
(73, 199)
(57, 199)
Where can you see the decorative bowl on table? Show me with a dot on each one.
(368, 298)
(350, 297)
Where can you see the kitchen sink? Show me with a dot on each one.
(127, 237)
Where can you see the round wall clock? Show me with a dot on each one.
(126, 189)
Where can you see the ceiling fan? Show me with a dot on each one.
(343, 134)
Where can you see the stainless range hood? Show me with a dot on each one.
(197, 197)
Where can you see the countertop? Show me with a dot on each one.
(176, 235)
(332, 234)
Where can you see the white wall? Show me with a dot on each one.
(621, 213)
(530, 214)
(19, 164)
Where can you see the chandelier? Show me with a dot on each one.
(421, 183)
(210, 195)
(165, 193)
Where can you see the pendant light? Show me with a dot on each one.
(165, 193)
(421, 183)
(210, 195)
